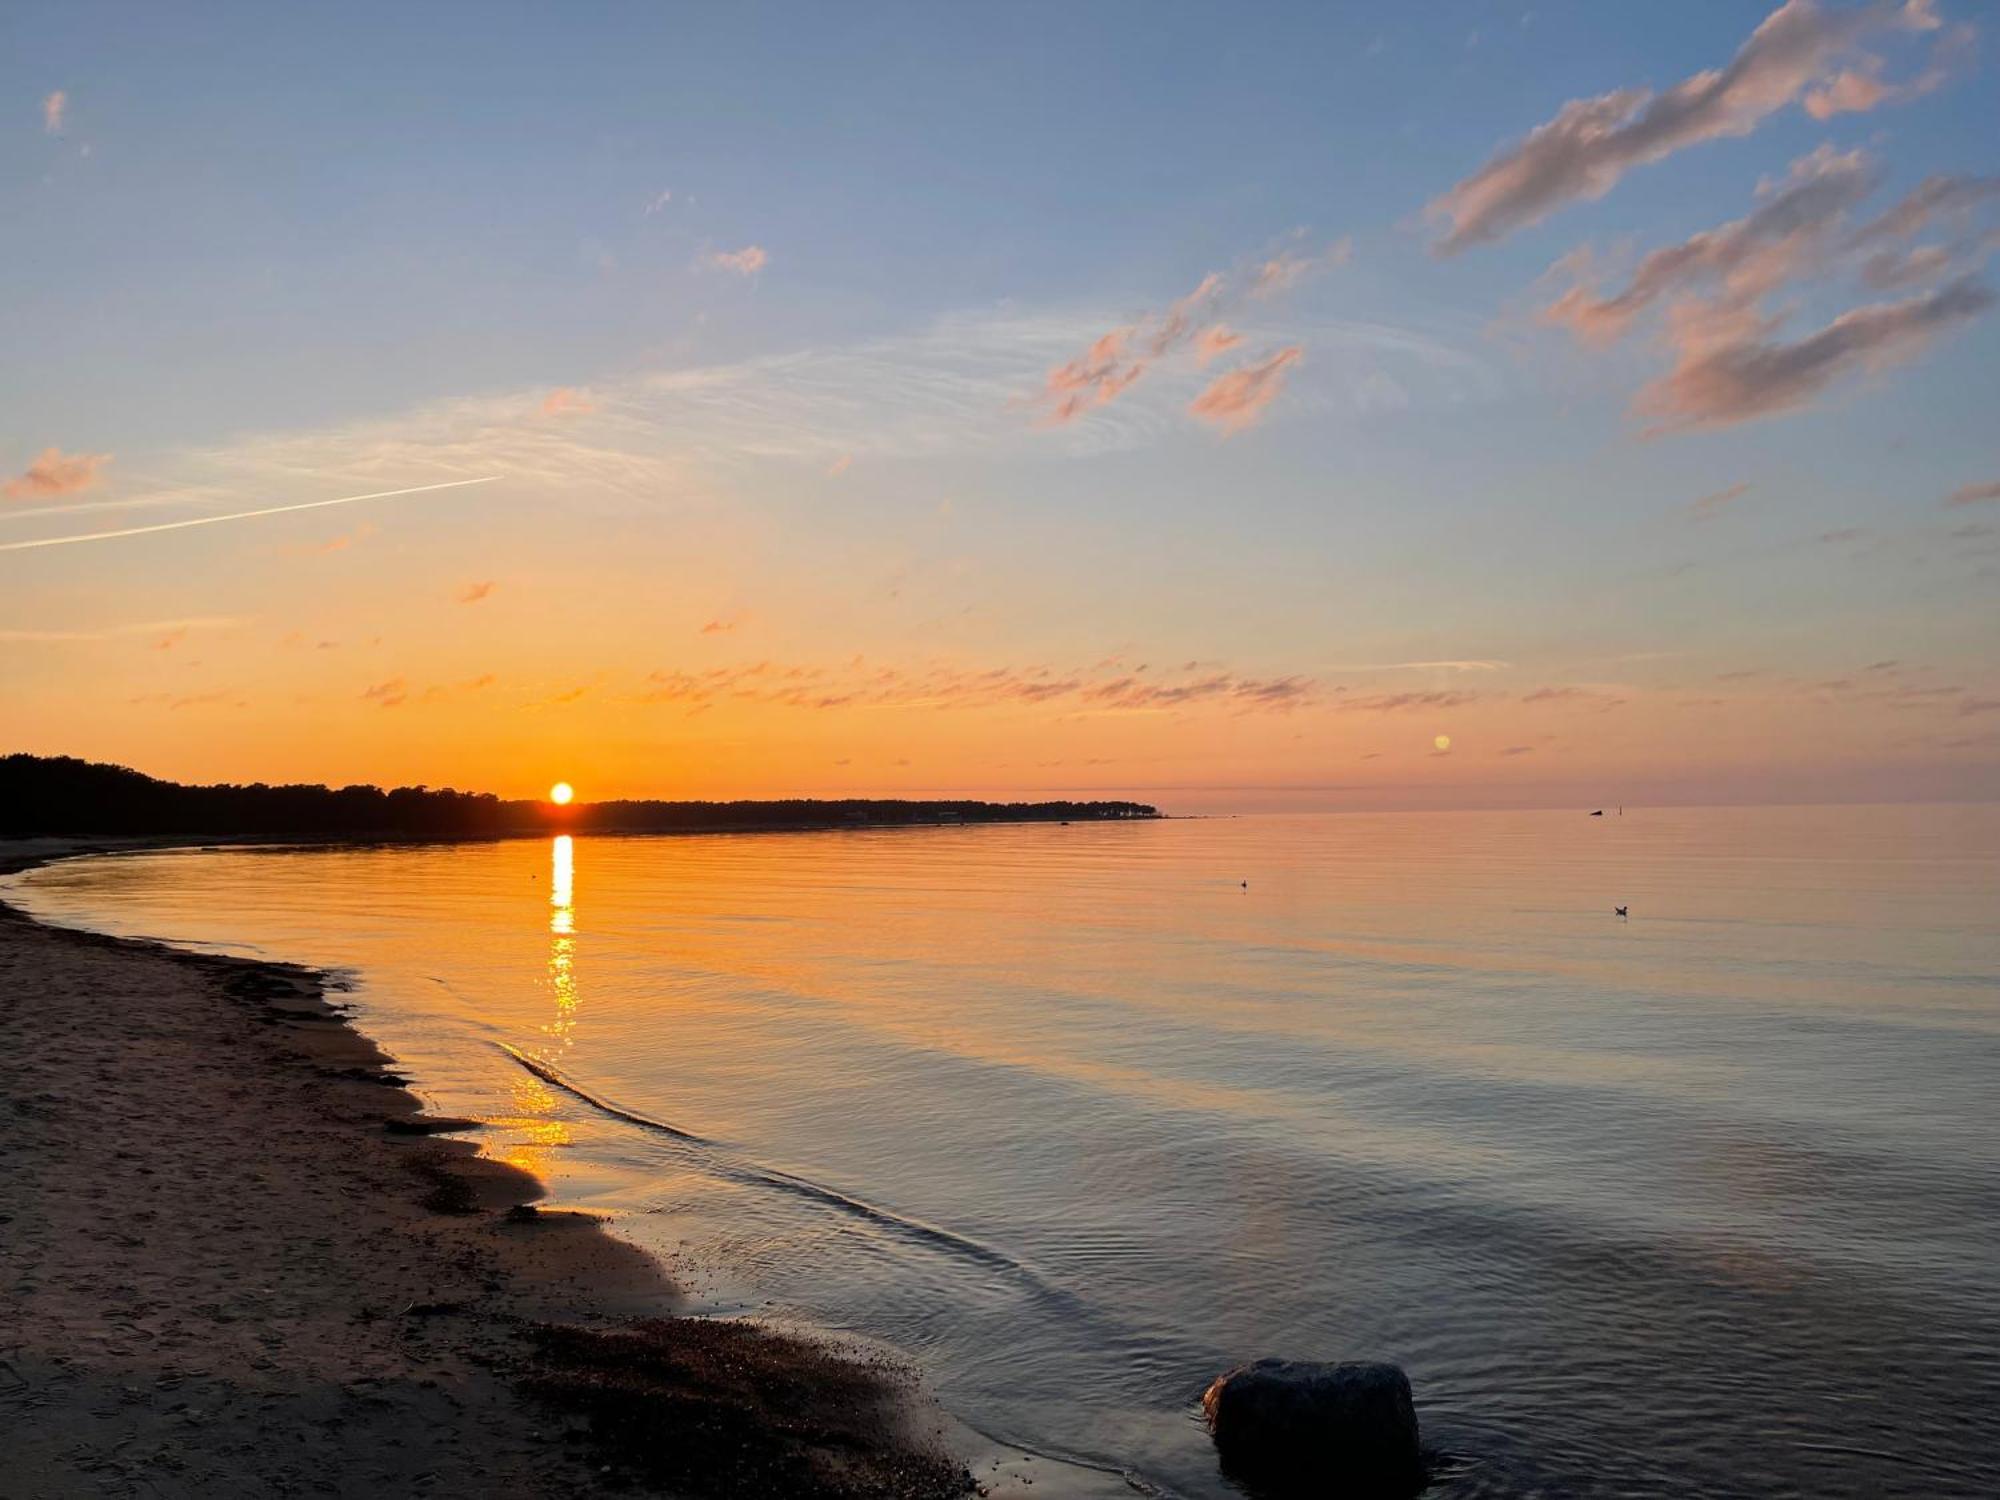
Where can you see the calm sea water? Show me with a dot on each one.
(1702, 1202)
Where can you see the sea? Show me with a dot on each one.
(1699, 1200)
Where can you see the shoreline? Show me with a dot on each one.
(240, 1259)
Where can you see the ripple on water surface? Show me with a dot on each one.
(1699, 1202)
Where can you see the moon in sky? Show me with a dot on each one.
(1443, 742)
(561, 793)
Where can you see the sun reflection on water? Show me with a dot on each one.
(562, 939)
(535, 1130)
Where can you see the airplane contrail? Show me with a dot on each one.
(241, 515)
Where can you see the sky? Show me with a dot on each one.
(1239, 408)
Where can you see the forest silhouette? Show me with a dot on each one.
(61, 795)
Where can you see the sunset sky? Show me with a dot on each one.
(1467, 404)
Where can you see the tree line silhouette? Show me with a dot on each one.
(57, 795)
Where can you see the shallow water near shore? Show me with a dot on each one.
(1702, 1201)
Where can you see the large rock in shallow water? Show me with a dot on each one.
(1319, 1429)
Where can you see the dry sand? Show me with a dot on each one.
(235, 1261)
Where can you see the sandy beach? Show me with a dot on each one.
(239, 1261)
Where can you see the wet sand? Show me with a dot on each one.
(237, 1260)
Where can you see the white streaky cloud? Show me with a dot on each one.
(114, 632)
(168, 499)
(678, 438)
(241, 515)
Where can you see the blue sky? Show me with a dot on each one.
(259, 254)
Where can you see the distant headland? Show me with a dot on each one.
(61, 795)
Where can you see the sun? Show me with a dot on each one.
(561, 793)
(1443, 742)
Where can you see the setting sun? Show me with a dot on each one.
(561, 793)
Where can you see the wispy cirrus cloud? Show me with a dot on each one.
(473, 593)
(1800, 51)
(54, 473)
(54, 107)
(158, 629)
(1973, 494)
(675, 437)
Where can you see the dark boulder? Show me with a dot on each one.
(1295, 1427)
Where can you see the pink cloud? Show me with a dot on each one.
(1940, 196)
(946, 687)
(1118, 360)
(745, 262)
(388, 694)
(1214, 340)
(1181, 316)
(719, 627)
(1592, 697)
(334, 544)
(1729, 368)
(1890, 270)
(472, 593)
(1237, 401)
(1096, 377)
(1789, 233)
(1287, 269)
(54, 474)
(54, 107)
(565, 399)
(1389, 703)
(1974, 494)
(840, 466)
(1850, 93)
(1590, 144)
(1708, 507)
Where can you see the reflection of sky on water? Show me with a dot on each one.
(1411, 1093)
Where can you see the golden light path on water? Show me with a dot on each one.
(539, 1130)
